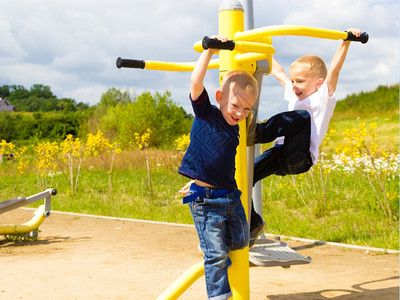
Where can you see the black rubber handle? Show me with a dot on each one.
(54, 192)
(216, 44)
(130, 63)
(363, 38)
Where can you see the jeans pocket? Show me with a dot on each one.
(298, 162)
(198, 205)
(235, 194)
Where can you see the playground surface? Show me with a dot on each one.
(84, 257)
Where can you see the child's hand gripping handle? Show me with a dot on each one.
(363, 38)
(130, 63)
(216, 44)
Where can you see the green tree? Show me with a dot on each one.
(156, 112)
(66, 105)
(39, 98)
(41, 91)
(82, 106)
(18, 92)
(4, 91)
(7, 126)
(112, 97)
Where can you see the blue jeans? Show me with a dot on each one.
(221, 226)
(293, 157)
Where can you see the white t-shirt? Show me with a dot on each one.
(320, 107)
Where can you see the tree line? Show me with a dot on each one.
(119, 115)
(38, 98)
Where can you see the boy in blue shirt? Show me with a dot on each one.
(213, 197)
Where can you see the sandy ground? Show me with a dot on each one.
(83, 257)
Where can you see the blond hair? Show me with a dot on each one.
(312, 63)
(242, 79)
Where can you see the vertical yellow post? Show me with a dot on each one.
(231, 20)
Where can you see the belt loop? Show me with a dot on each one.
(208, 192)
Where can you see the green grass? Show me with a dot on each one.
(130, 197)
(351, 214)
(387, 131)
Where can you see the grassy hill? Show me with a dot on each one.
(380, 106)
(383, 99)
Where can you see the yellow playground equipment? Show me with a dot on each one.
(249, 50)
(31, 227)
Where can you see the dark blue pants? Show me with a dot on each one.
(293, 157)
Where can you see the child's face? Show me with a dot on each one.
(305, 83)
(235, 105)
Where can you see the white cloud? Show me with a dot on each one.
(382, 70)
(9, 47)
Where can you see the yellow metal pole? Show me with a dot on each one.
(183, 282)
(231, 20)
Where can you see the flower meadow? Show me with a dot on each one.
(351, 196)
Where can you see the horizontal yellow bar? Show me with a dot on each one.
(276, 30)
(214, 64)
(176, 66)
(251, 57)
(264, 39)
(254, 47)
(168, 66)
(198, 46)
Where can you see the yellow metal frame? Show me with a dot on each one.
(33, 224)
(259, 33)
(39, 215)
(176, 66)
(183, 282)
(250, 47)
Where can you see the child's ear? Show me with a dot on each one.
(218, 96)
(320, 82)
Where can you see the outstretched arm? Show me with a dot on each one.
(200, 69)
(279, 72)
(337, 63)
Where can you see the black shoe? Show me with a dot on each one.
(256, 232)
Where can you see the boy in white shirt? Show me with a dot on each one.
(298, 133)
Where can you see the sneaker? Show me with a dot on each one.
(256, 232)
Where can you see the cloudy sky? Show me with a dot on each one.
(72, 45)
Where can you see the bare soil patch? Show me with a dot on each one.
(83, 257)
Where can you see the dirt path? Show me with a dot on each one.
(81, 257)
